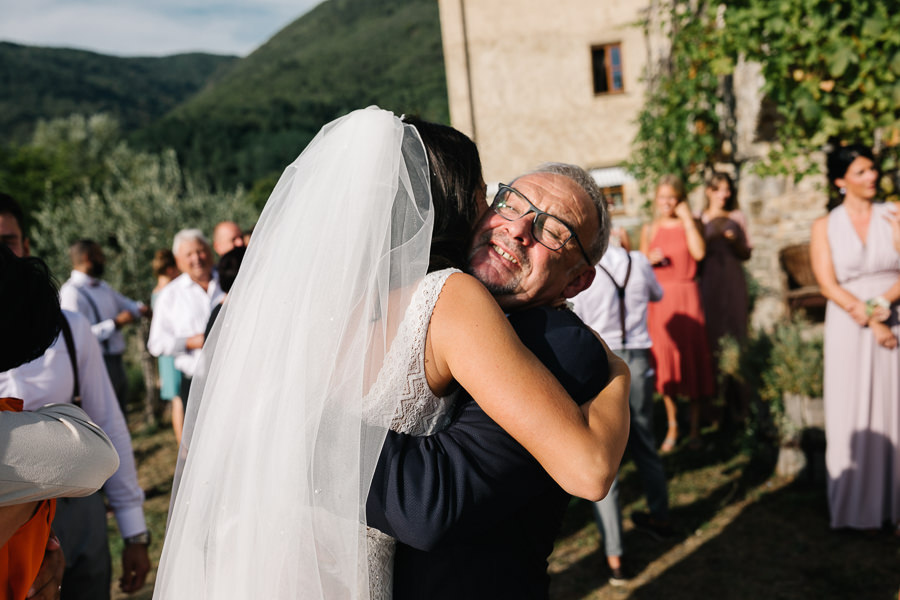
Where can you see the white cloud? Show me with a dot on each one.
(154, 28)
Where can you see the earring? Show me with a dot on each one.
(842, 191)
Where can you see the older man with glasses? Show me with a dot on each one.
(474, 513)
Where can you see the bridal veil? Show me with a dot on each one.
(277, 458)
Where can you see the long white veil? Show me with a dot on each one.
(276, 460)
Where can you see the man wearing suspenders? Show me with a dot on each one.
(106, 309)
(616, 307)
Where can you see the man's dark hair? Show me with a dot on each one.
(456, 191)
(30, 318)
(80, 249)
(9, 206)
(838, 161)
(228, 267)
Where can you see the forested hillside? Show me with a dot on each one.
(46, 83)
(231, 122)
(342, 55)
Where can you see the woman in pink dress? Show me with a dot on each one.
(723, 286)
(858, 270)
(674, 244)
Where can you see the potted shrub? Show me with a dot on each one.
(792, 385)
(782, 369)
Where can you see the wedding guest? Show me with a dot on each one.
(857, 267)
(227, 235)
(674, 245)
(893, 219)
(183, 306)
(72, 371)
(228, 268)
(615, 306)
(165, 270)
(12, 226)
(723, 286)
(54, 451)
(475, 515)
(106, 310)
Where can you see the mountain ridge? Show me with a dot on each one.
(340, 56)
(46, 83)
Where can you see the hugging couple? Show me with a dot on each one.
(395, 401)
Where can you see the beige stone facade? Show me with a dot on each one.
(520, 82)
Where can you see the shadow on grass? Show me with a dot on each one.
(749, 536)
(781, 547)
(717, 476)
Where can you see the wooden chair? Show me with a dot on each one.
(801, 290)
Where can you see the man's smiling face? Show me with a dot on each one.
(518, 270)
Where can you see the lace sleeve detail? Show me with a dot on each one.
(401, 396)
(402, 399)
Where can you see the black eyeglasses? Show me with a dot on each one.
(549, 231)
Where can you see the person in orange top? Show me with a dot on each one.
(52, 452)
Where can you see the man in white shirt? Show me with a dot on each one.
(52, 452)
(106, 309)
(616, 307)
(183, 307)
(81, 522)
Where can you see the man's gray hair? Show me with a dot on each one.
(597, 246)
(188, 235)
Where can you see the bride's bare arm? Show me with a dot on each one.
(471, 341)
(607, 413)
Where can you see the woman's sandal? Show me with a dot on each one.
(671, 438)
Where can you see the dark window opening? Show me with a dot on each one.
(615, 198)
(606, 61)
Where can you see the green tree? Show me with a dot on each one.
(831, 68)
(64, 157)
(131, 202)
(680, 129)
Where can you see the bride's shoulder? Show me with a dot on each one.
(465, 305)
(460, 286)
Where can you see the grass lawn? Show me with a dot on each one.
(744, 533)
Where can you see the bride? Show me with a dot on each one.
(324, 344)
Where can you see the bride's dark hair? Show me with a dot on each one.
(457, 191)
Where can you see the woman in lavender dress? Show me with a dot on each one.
(858, 269)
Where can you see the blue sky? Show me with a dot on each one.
(148, 27)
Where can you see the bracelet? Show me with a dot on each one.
(876, 302)
(140, 538)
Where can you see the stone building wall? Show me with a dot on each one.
(779, 211)
(519, 83)
(520, 80)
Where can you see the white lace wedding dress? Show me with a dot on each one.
(418, 412)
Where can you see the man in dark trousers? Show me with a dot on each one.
(474, 513)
